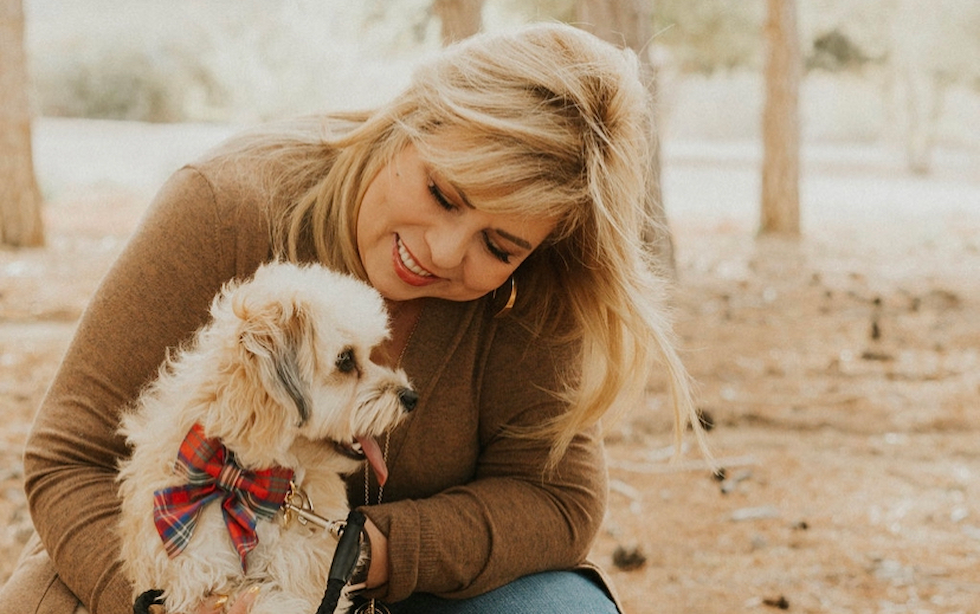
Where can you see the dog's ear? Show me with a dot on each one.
(274, 337)
(287, 368)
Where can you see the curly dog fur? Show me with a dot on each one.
(281, 375)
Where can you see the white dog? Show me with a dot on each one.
(281, 378)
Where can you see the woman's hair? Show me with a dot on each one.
(547, 121)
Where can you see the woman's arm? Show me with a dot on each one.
(513, 517)
(474, 538)
(155, 295)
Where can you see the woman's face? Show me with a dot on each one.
(418, 236)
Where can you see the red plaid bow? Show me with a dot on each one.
(212, 474)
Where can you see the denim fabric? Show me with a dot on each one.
(567, 592)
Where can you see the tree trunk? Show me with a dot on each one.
(460, 18)
(917, 89)
(629, 24)
(20, 199)
(780, 123)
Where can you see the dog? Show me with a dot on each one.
(279, 387)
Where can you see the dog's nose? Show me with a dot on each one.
(408, 398)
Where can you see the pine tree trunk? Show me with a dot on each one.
(460, 18)
(20, 199)
(629, 23)
(780, 123)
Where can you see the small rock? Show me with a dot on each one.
(629, 558)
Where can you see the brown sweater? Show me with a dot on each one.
(467, 507)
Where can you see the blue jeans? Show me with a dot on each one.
(568, 592)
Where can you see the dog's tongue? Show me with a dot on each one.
(372, 451)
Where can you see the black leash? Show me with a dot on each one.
(344, 561)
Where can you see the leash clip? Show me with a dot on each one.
(299, 507)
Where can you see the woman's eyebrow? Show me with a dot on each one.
(513, 239)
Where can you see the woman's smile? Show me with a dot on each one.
(407, 268)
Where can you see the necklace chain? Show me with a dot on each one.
(367, 468)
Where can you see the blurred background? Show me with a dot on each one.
(250, 60)
(894, 78)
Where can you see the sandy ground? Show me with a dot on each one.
(842, 374)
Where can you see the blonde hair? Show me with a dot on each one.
(547, 121)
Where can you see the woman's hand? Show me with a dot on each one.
(378, 570)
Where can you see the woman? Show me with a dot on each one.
(497, 205)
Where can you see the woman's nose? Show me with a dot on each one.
(447, 247)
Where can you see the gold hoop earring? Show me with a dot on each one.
(510, 299)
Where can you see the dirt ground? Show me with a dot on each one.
(841, 372)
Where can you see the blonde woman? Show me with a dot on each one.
(498, 206)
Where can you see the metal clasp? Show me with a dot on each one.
(299, 507)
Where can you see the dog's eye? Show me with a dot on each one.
(345, 361)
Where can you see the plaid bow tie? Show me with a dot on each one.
(212, 474)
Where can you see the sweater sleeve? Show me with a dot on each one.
(514, 517)
(154, 296)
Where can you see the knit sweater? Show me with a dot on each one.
(468, 505)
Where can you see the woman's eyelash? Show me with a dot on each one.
(440, 198)
(497, 253)
(446, 204)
